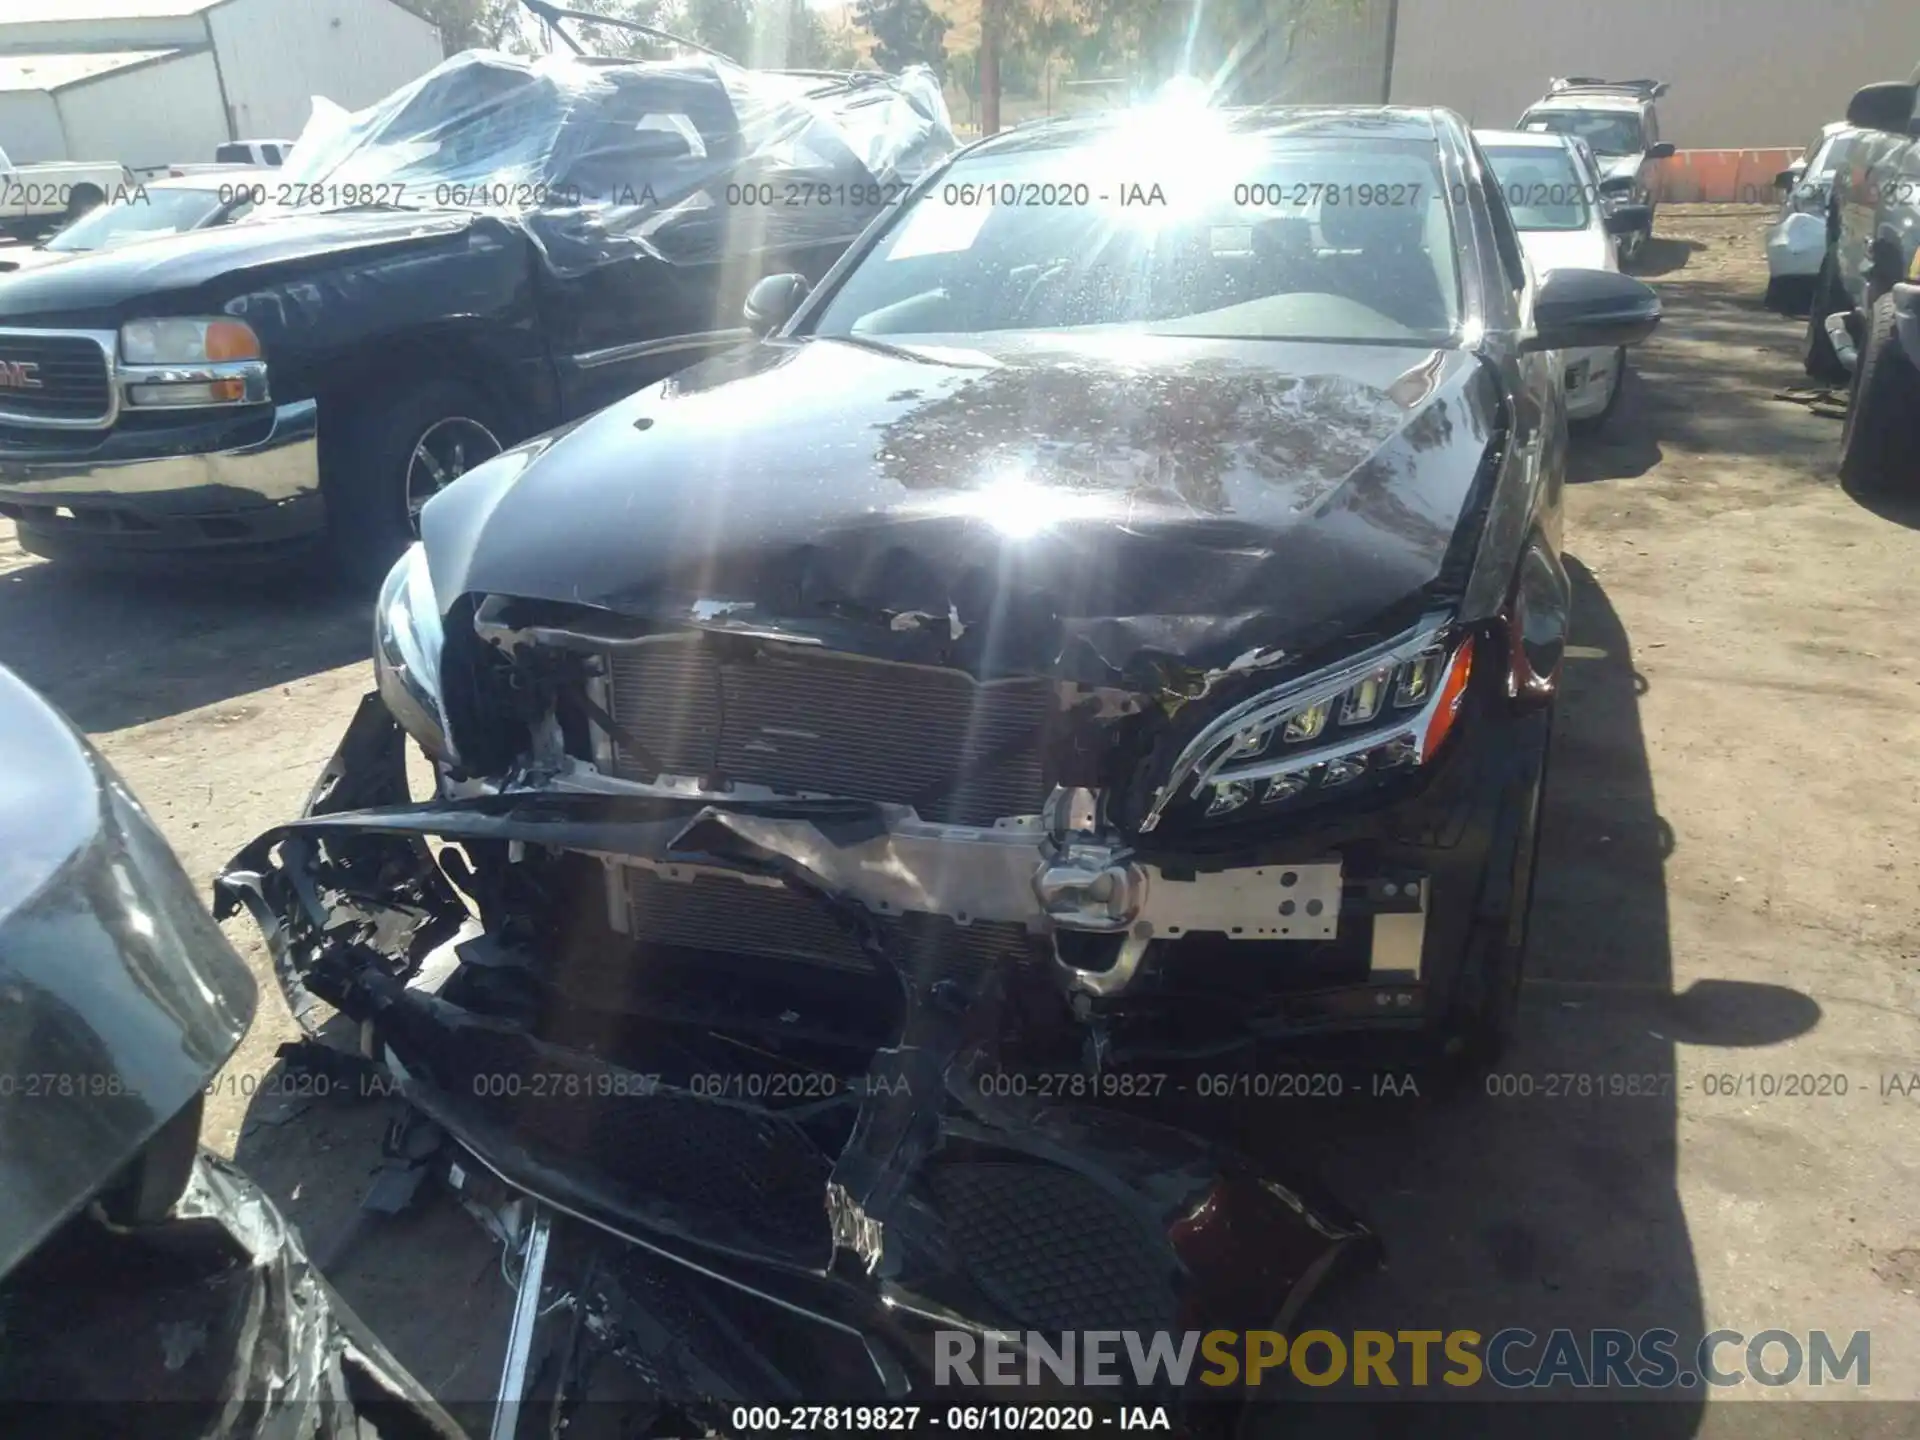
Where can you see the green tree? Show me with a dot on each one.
(790, 34)
(723, 25)
(478, 24)
(905, 32)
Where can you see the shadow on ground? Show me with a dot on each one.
(116, 651)
(1542, 1199)
(1705, 385)
(1663, 255)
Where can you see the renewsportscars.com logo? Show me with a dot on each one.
(1511, 1359)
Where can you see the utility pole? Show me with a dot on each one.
(990, 67)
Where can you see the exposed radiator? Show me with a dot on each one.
(814, 722)
(723, 914)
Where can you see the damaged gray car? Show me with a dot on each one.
(1112, 621)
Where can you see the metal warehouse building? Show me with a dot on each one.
(156, 82)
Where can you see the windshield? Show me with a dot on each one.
(144, 216)
(1609, 132)
(1544, 189)
(1820, 161)
(1246, 237)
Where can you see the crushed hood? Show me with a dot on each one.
(1091, 506)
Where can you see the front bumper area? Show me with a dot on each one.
(1598, 376)
(206, 485)
(1796, 246)
(807, 1231)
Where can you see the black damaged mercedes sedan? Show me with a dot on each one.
(1114, 617)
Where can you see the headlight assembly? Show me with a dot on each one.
(407, 640)
(1390, 709)
(187, 363)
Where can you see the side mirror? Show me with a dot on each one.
(1887, 106)
(1629, 220)
(1787, 179)
(772, 301)
(1663, 151)
(1597, 309)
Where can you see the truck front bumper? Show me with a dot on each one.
(221, 486)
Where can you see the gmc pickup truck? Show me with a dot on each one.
(496, 249)
(37, 198)
(1865, 317)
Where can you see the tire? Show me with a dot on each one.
(373, 475)
(1589, 424)
(1484, 1012)
(1880, 448)
(1790, 294)
(147, 1189)
(1817, 354)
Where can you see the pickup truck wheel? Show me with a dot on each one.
(395, 455)
(1881, 446)
(1817, 355)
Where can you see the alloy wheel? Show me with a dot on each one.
(445, 451)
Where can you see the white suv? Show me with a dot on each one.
(1620, 121)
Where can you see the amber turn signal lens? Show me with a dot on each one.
(231, 340)
(1453, 690)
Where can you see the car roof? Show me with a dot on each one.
(1310, 122)
(1524, 139)
(1592, 100)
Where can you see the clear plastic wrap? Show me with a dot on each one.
(687, 161)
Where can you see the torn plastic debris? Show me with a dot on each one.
(214, 1321)
(808, 1248)
(685, 161)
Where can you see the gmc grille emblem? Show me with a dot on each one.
(20, 375)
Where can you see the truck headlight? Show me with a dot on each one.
(407, 640)
(171, 364)
(1388, 710)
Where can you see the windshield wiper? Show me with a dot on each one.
(878, 347)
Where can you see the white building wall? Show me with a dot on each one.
(1746, 74)
(30, 127)
(160, 114)
(1339, 56)
(127, 34)
(275, 55)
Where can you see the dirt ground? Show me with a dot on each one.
(1730, 896)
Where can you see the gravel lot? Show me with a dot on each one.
(1730, 895)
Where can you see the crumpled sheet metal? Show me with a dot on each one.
(603, 162)
(885, 1245)
(213, 1323)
